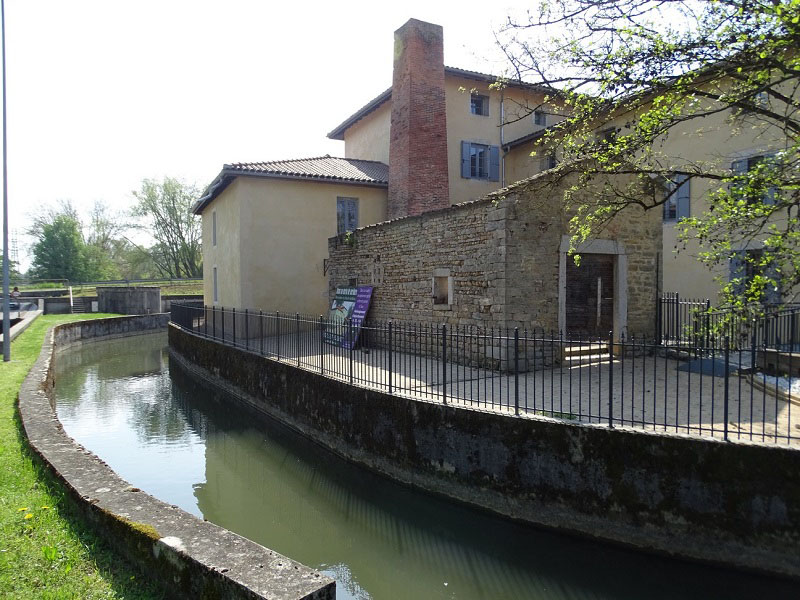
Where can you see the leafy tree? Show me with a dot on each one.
(13, 271)
(60, 252)
(166, 208)
(660, 69)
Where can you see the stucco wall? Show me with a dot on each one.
(225, 255)
(699, 498)
(368, 138)
(273, 258)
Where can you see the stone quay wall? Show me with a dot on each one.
(503, 254)
(189, 557)
(697, 498)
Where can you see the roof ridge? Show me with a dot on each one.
(289, 160)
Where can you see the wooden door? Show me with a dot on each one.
(590, 295)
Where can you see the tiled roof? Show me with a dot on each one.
(325, 169)
(322, 167)
(338, 132)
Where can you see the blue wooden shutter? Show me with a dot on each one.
(772, 293)
(737, 271)
(465, 170)
(769, 196)
(683, 194)
(494, 163)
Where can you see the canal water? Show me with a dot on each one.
(179, 440)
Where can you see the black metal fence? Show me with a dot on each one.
(692, 321)
(698, 390)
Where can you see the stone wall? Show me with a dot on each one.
(503, 254)
(132, 300)
(698, 498)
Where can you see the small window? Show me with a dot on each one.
(216, 293)
(607, 136)
(539, 118)
(479, 105)
(548, 162)
(745, 165)
(676, 206)
(442, 288)
(480, 161)
(213, 228)
(346, 215)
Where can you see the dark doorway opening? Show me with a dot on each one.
(590, 295)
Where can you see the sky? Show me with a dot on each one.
(102, 94)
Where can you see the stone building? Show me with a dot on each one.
(504, 260)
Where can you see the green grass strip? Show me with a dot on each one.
(46, 552)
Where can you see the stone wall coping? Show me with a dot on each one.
(188, 556)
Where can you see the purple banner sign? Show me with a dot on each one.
(352, 303)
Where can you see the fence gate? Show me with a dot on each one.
(590, 294)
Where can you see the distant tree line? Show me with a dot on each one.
(99, 249)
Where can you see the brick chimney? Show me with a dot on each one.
(418, 180)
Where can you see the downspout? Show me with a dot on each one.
(502, 138)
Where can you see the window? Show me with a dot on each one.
(346, 215)
(480, 161)
(213, 228)
(539, 118)
(676, 206)
(479, 105)
(607, 136)
(751, 163)
(214, 276)
(442, 288)
(548, 161)
(745, 265)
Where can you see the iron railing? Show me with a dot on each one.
(698, 390)
(694, 322)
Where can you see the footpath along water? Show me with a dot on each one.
(175, 438)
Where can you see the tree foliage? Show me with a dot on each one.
(661, 69)
(165, 207)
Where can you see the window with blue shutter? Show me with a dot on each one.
(677, 205)
(480, 161)
(745, 165)
(745, 265)
(346, 215)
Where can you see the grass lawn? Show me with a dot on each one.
(46, 551)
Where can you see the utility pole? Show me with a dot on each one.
(6, 257)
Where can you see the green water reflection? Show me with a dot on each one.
(181, 441)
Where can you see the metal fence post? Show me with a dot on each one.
(516, 371)
(390, 357)
(233, 326)
(321, 348)
(444, 364)
(214, 322)
(297, 336)
(708, 323)
(659, 318)
(727, 374)
(222, 318)
(611, 378)
(246, 330)
(350, 337)
(261, 332)
(205, 320)
(278, 330)
(676, 325)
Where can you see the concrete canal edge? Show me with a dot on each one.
(192, 558)
(730, 503)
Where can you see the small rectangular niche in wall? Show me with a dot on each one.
(213, 228)
(216, 294)
(442, 289)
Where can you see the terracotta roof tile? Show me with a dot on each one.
(324, 169)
